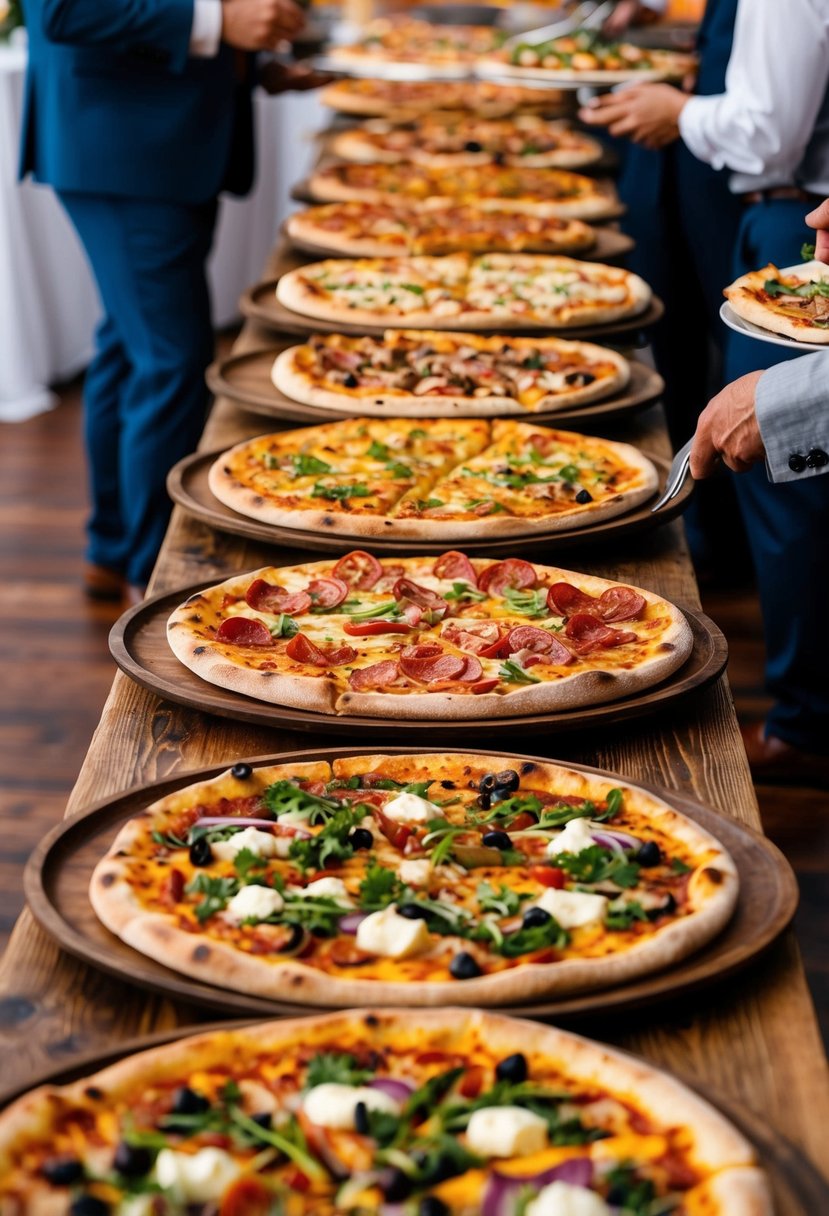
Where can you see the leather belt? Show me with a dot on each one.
(785, 192)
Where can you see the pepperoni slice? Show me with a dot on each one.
(302, 650)
(358, 569)
(514, 572)
(390, 576)
(370, 629)
(530, 637)
(267, 597)
(589, 634)
(455, 565)
(424, 597)
(476, 637)
(472, 671)
(379, 675)
(429, 668)
(327, 592)
(241, 631)
(558, 654)
(621, 604)
(614, 604)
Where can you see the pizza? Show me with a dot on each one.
(526, 140)
(791, 302)
(435, 1113)
(434, 373)
(586, 53)
(431, 480)
(403, 100)
(524, 189)
(435, 226)
(519, 879)
(428, 638)
(464, 291)
(448, 50)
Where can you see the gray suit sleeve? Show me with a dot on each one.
(792, 404)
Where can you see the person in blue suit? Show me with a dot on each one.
(138, 113)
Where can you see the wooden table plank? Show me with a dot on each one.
(753, 1039)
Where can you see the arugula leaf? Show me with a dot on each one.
(169, 840)
(246, 863)
(421, 788)
(379, 888)
(494, 507)
(378, 451)
(527, 603)
(217, 893)
(807, 252)
(624, 915)
(305, 466)
(633, 1196)
(426, 504)
(806, 291)
(569, 473)
(558, 816)
(284, 797)
(415, 288)
(389, 608)
(289, 1139)
(595, 864)
(383, 1126)
(443, 835)
(284, 627)
(509, 808)
(514, 673)
(465, 591)
(334, 493)
(536, 937)
(335, 1066)
(424, 1100)
(418, 433)
(503, 902)
(320, 915)
(396, 469)
(437, 1158)
(331, 844)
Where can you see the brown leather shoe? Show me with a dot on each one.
(101, 583)
(775, 762)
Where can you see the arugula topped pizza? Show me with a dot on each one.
(556, 192)
(460, 290)
(393, 878)
(403, 100)
(418, 373)
(586, 54)
(451, 637)
(447, 479)
(791, 302)
(434, 226)
(435, 1113)
(526, 140)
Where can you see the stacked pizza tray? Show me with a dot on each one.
(427, 891)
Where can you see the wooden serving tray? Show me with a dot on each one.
(260, 304)
(247, 379)
(797, 1187)
(188, 486)
(58, 874)
(138, 643)
(611, 246)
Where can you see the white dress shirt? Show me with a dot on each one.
(763, 124)
(206, 31)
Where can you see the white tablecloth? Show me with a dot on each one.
(48, 303)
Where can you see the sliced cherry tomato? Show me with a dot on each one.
(359, 569)
(455, 565)
(302, 650)
(396, 833)
(472, 1081)
(241, 631)
(548, 876)
(522, 821)
(294, 1180)
(267, 597)
(327, 592)
(172, 888)
(369, 629)
(514, 572)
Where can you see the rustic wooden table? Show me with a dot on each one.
(753, 1039)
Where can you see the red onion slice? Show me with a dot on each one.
(399, 1091)
(502, 1191)
(352, 922)
(609, 840)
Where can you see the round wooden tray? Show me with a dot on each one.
(58, 873)
(188, 486)
(610, 246)
(246, 378)
(138, 643)
(260, 304)
(301, 192)
(798, 1189)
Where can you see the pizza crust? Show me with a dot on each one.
(741, 295)
(295, 383)
(356, 145)
(295, 294)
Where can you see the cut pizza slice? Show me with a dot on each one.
(793, 302)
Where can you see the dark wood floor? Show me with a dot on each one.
(57, 672)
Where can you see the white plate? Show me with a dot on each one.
(749, 330)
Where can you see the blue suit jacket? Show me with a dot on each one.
(115, 105)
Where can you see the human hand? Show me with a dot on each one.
(728, 428)
(260, 25)
(277, 77)
(647, 113)
(625, 14)
(819, 219)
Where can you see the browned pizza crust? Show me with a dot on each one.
(750, 301)
(713, 891)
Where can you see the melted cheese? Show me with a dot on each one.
(263, 844)
(506, 1131)
(410, 808)
(576, 836)
(254, 903)
(391, 935)
(334, 1105)
(562, 1199)
(197, 1177)
(573, 909)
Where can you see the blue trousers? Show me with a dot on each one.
(787, 524)
(145, 395)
